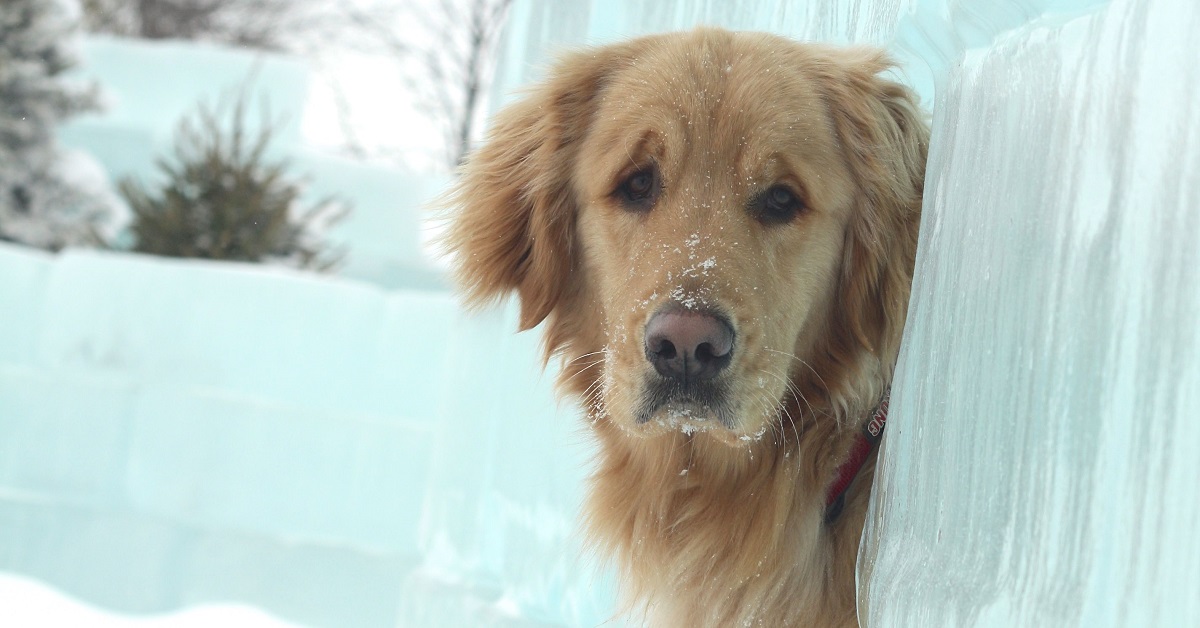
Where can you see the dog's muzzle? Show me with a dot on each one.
(688, 349)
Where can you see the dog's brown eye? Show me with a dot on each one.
(638, 190)
(777, 205)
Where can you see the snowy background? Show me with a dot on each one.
(259, 444)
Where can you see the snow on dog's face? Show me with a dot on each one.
(707, 219)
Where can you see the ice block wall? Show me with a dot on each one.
(1040, 468)
(177, 432)
(171, 434)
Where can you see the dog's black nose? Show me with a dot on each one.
(687, 344)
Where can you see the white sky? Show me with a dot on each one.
(383, 114)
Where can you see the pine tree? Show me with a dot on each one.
(223, 198)
(41, 201)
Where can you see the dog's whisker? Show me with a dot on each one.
(809, 367)
(581, 370)
(781, 404)
(774, 427)
(603, 352)
(802, 363)
(791, 420)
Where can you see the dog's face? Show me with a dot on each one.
(707, 218)
(712, 196)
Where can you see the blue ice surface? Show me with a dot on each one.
(1037, 471)
(175, 432)
(356, 451)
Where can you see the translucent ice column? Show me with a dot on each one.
(1041, 465)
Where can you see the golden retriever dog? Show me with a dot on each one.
(717, 231)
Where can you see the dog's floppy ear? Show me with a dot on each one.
(885, 140)
(514, 206)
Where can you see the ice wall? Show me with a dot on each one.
(1040, 465)
(927, 37)
(173, 433)
(181, 432)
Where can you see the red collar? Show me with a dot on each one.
(872, 432)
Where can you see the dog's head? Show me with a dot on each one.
(716, 226)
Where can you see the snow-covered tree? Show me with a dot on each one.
(43, 201)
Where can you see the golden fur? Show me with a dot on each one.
(711, 524)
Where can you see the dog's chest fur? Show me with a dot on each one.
(706, 541)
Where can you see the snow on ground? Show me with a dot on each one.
(32, 604)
